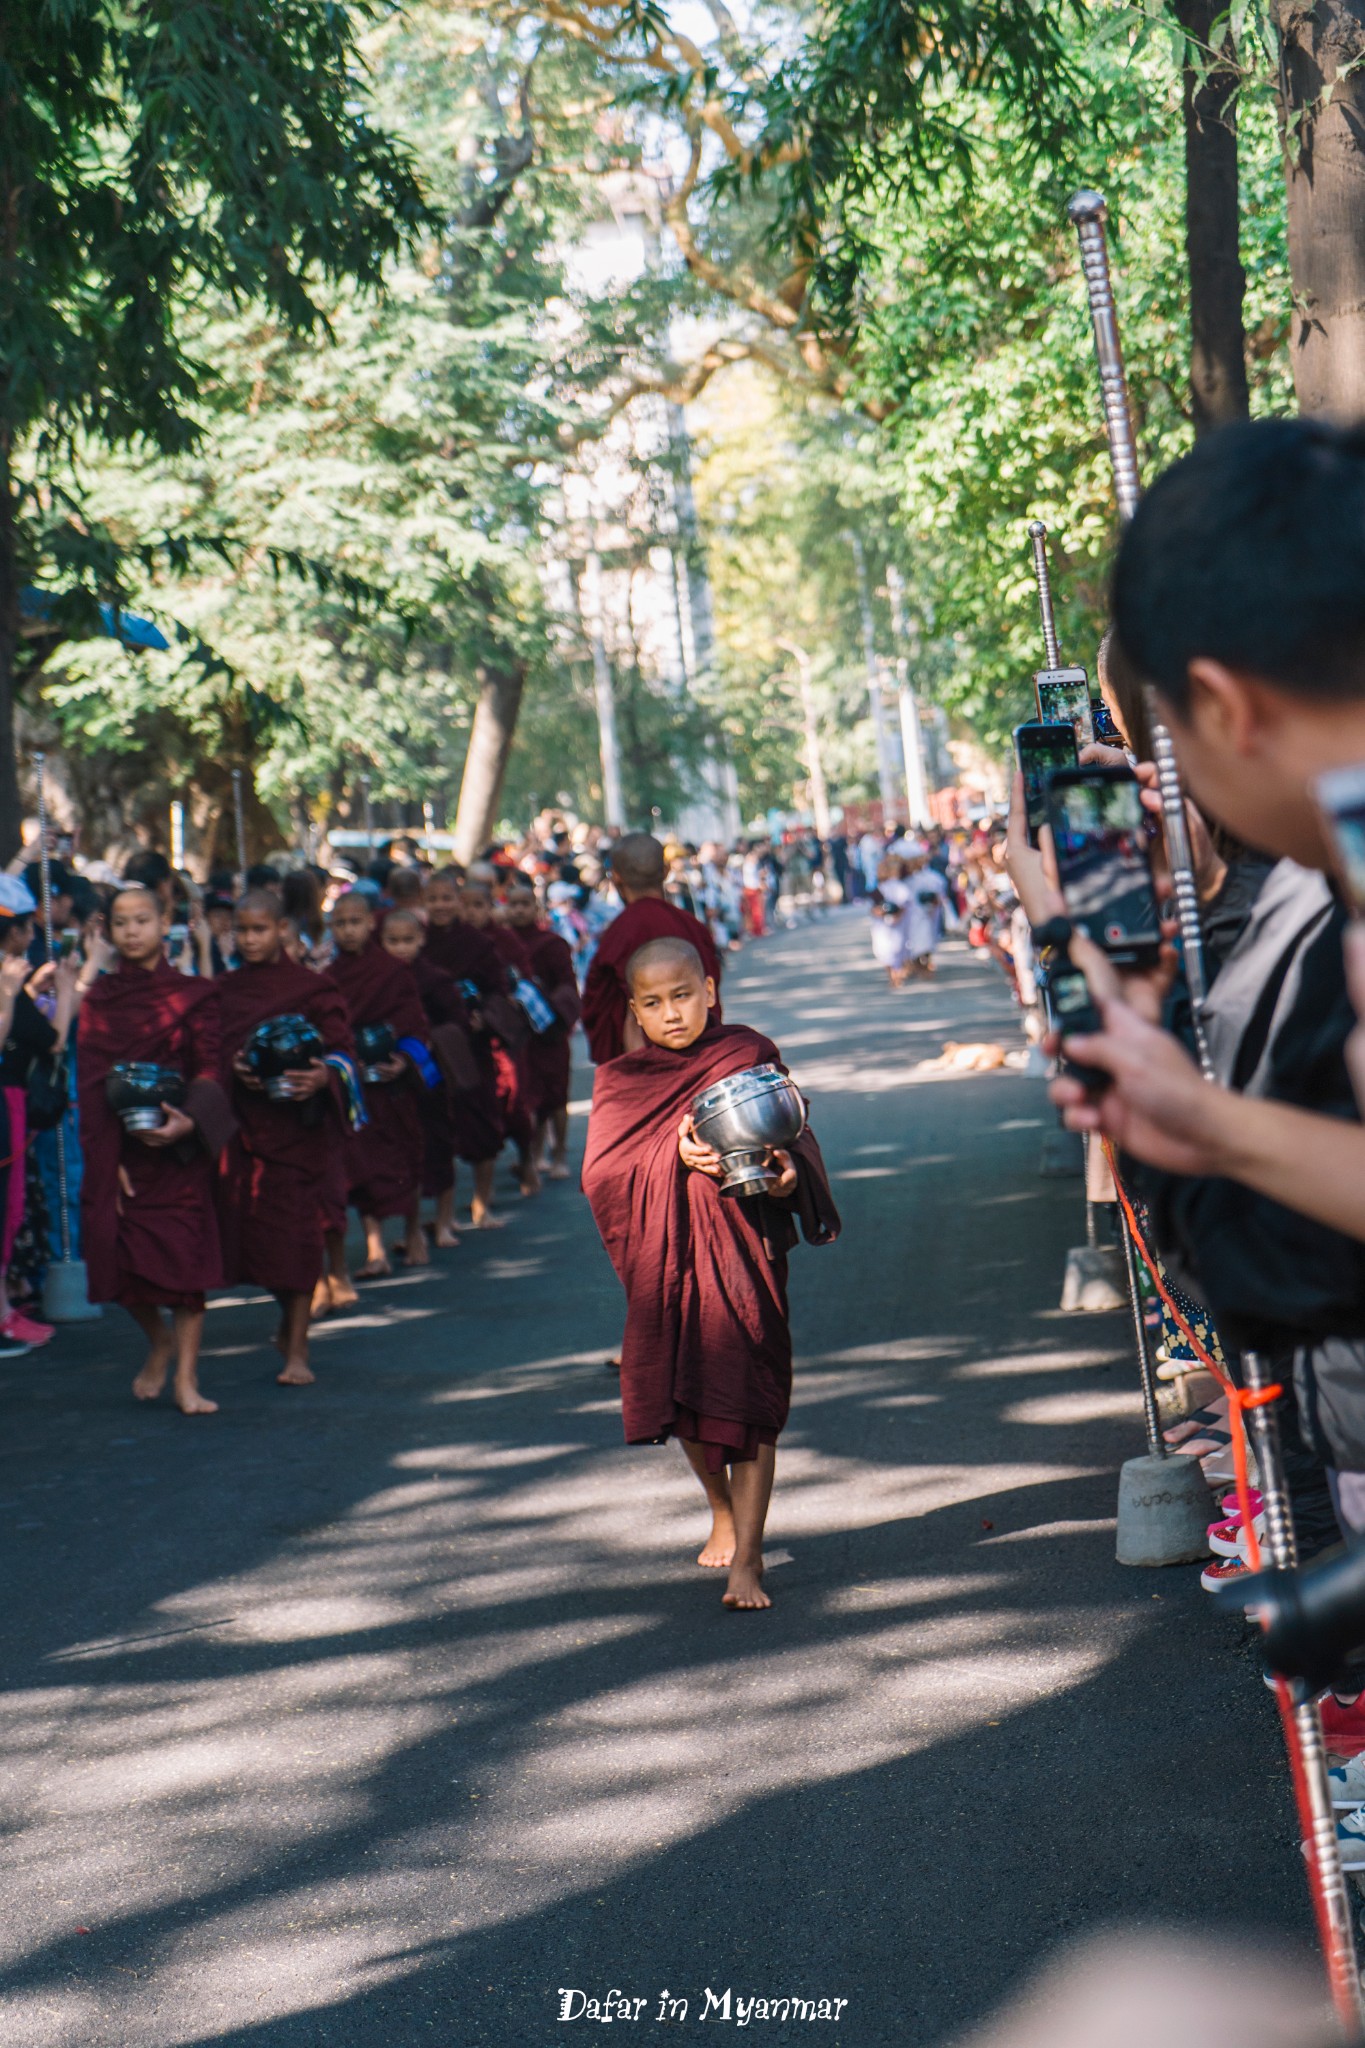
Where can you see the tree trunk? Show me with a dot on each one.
(11, 813)
(1322, 114)
(485, 765)
(1218, 375)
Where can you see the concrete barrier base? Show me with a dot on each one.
(1165, 1508)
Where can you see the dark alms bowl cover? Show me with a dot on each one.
(282, 1045)
(140, 1084)
(374, 1043)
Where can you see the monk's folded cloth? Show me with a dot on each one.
(605, 996)
(275, 1177)
(161, 1243)
(384, 1161)
(705, 1274)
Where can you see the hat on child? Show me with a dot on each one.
(15, 899)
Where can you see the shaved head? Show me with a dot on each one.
(405, 920)
(638, 861)
(263, 900)
(666, 953)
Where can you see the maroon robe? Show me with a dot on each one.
(160, 1246)
(707, 1350)
(466, 955)
(510, 1054)
(605, 996)
(384, 1160)
(548, 1053)
(448, 1029)
(279, 1175)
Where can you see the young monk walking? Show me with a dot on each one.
(509, 1033)
(637, 869)
(548, 1053)
(278, 1169)
(403, 936)
(148, 1223)
(384, 1159)
(707, 1355)
(472, 959)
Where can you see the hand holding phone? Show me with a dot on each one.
(1100, 841)
(1064, 699)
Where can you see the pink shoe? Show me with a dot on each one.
(24, 1330)
(1226, 1539)
(1231, 1511)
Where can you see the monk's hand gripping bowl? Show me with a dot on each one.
(745, 1118)
(374, 1043)
(280, 1047)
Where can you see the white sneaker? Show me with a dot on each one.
(1351, 1839)
(1347, 1782)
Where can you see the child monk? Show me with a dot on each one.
(548, 1054)
(637, 869)
(509, 1032)
(707, 1355)
(277, 1171)
(148, 1223)
(404, 936)
(384, 1159)
(472, 960)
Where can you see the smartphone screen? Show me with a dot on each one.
(1042, 750)
(1064, 699)
(1100, 836)
(1103, 719)
(1341, 799)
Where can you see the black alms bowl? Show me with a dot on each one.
(136, 1089)
(374, 1043)
(280, 1047)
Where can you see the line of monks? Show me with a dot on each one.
(469, 1022)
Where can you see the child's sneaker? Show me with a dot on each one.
(1351, 1839)
(1228, 1539)
(22, 1329)
(1222, 1571)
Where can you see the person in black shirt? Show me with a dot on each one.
(27, 1036)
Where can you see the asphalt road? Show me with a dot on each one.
(382, 1713)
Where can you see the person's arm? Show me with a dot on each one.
(65, 980)
(1159, 1109)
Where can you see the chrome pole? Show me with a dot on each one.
(1037, 533)
(44, 869)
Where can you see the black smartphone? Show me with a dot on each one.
(1340, 797)
(1100, 837)
(1041, 750)
(1073, 1011)
(1064, 699)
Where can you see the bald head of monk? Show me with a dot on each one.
(637, 866)
(258, 927)
(403, 935)
(353, 921)
(671, 994)
(519, 902)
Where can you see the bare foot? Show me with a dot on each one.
(744, 1589)
(719, 1548)
(373, 1269)
(295, 1374)
(447, 1237)
(321, 1302)
(190, 1401)
(558, 1170)
(484, 1219)
(340, 1292)
(415, 1251)
(152, 1378)
(528, 1180)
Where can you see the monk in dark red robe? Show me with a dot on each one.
(404, 935)
(637, 869)
(279, 1170)
(707, 1355)
(548, 1053)
(509, 1036)
(473, 961)
(384, 1159)
(148, 1222)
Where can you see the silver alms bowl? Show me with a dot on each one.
(743, 1118)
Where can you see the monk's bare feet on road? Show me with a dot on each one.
(415, 1251)
(152, 1378)
(373, 1269)
(321, 1302)
(484, 1219)
(340, 1292)
(744, 1590)
(447, 1237)
(528, 1179)
(719, 1548)
(296, 1374)
(558, 1169)
(190, 1401)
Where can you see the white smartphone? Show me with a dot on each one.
(1340, 795)
(1064, 699)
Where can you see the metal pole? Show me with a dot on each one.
(1037, 533)
(1088, 214)
(241, 823)
(885, 780)
(612, 802)
(1151, 1414)
(912, 739)
(815, 762)
(39, 763)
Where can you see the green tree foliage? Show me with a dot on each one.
(148, 156)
